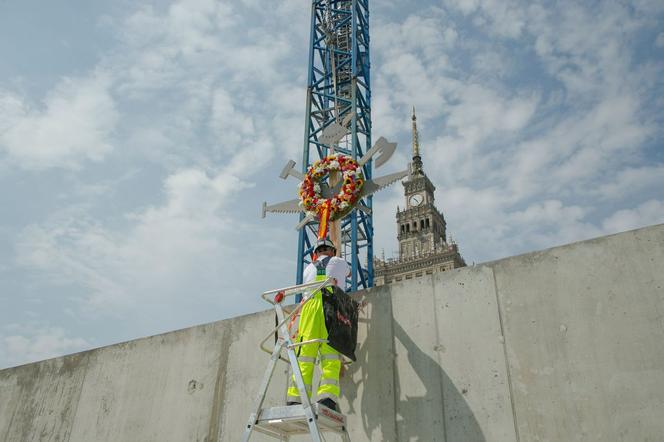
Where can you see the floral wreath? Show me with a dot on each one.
(311, 199)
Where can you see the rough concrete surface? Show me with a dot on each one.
(559, 345)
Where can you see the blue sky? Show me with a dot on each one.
(139, 139)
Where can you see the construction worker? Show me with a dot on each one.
(312, 326)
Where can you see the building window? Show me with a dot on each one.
(414, 225)
(409, 276)
(422, 224)
(429, 272)
(403, 228)
(418, 274)
(398, 278)
(407, 227)
(427, 223)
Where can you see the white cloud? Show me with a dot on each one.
(632, 181)
(646, 214)
(488, 223)
(565, 143)
(231, 126)
(417, 33)
(412, 65)
(483, 112)
(506, 18)
(659, 41)
(481, 128)
(477, 219)
(465, 6)
(191, 194)
(579, 46)
(159, 46)
(232, 96)
(11, 108)
(550, 223)
(584, 148)
(550, 212)
(22, 344)
(198, 42)
(74, 124)
(158, 258)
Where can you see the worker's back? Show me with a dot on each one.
(336, 268)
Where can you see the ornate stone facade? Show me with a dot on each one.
(421, 230)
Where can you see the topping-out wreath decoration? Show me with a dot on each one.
(311, 198)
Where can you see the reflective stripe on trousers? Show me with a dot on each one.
(312, 326)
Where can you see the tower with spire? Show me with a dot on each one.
(421, 229)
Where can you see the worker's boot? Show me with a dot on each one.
(329, 403)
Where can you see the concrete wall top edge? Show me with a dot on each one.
(373, 291)
(134, 341)
(574, 243)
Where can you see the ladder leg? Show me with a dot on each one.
(262, 391)
(306, 403)
(299, 381)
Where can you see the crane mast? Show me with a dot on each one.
(339, 94)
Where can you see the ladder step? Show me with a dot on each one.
(291, 420)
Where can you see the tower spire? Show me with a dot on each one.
(417, 159)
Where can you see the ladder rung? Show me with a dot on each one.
(292, 420)
(271, 432)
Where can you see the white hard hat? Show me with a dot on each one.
(324, 243)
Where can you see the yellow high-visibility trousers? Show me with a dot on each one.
(312, 326)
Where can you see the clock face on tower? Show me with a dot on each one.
(416, 200)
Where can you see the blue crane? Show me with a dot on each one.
(339, 92)
(338, 119)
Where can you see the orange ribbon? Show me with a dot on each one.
(324, 215)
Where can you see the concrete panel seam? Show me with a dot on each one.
(395, 390)
(214, 426)
(438, 357)
(507, 365)
(80, 392)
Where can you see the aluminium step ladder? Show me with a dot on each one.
(305, 418)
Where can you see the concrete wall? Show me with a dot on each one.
(560, 345)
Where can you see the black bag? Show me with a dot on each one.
(341, 312)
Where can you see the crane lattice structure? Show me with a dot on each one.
(339, 94)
